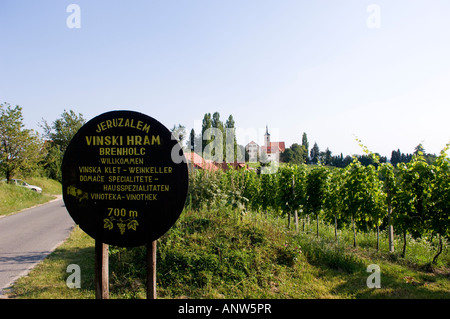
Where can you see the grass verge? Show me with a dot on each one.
(223, 254)
(15, 198)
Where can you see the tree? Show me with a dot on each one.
(242, 150)
(297, 154)
(419, 150)
(395, 157)
(287, 156)
(315, 153)
(63, 129)
(52, 162)
(179, 133)
(305, 144)
(399, 157)
(338, 161)
(191, 142)
(206, 136)
(219, 141)
(59, 135)
(231, 146)
(20, 149)
(325, 157)
(347, 160)
(371, 159)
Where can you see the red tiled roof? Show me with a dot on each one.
(280, 145)
(274, 147)
(225, 166)
(199, 161)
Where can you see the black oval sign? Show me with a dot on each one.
(125, 178)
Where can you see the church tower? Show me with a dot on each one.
(267, 138)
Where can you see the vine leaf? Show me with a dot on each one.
(133, 224)
(108, 224)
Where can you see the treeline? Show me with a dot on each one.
(412, 198)
(25, 152)
(300, 154)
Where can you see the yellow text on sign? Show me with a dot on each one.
(122, 212)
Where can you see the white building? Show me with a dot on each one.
(253, 150)
(271, 149)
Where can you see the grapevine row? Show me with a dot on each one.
(411, 198)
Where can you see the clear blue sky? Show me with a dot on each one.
(296, 65)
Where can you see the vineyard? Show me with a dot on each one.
(288, 234)
(410, 201)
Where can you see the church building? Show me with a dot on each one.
(271, 149)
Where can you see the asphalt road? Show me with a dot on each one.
(28, 237)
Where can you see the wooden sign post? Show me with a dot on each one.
(151, 270)
(125, 182)
(101, 270)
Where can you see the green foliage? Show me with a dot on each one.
(286, 189)
(422, 198)
(218, 140)
(414, 197)
(205, 189)
(14, 198)
(52, 162)
(295, 154)
(268, 195)
(314, 154)
(218, 253)
(252, 190)
(333, 201)
(20, 148)
(234, 182)
(62, 130)
(59, 135)
(363, 197)
(440, 195)
(315, 189)
(300, 179)
(210, 253)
